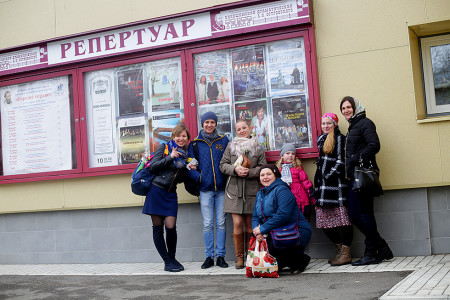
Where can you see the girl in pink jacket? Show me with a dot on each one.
(293, 174)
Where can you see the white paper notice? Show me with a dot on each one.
(36, 132)
(100, 110)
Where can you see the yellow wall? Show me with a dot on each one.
(362, 50)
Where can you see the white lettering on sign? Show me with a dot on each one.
(131, 38)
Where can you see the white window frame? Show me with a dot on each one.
(428, 80)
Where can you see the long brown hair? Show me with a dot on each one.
(328, 146)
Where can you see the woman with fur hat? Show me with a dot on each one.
(331, 189)
(241, 162)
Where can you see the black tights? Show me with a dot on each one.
(168, 222)
(340, 235)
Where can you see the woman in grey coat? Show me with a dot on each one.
(242, 184)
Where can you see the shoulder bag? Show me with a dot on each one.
(366, 180)
(286, 236)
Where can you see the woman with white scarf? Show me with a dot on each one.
(241, 161)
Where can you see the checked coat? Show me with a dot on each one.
(331, 187)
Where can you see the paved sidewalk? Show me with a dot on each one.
(430, 278)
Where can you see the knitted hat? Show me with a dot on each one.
(287, 147)
(273, 168)
(333, 117)
(209, 116)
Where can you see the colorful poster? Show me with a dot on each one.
(223, 113)
(100, 115)
(164, 84)
(36, 127)
(291, 122)
(249, 81)
(130, 91)
(286, 61)
(161, 126)
(132, 139)
(256, 115)
(212, 78)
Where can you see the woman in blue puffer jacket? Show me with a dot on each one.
(276, 206)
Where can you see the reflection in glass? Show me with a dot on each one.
(440, 61)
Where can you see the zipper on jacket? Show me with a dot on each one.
(174, 177)
(212, 160)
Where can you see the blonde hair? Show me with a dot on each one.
(297, 163)
(328, 146)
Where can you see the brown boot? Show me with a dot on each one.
(338, 253)
(247, 242)
(239, 248)
(345, 258)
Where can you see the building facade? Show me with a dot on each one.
(93, 88)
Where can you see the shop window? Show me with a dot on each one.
(37, 127)
(266, 84)
(436, 73)
(131, 109)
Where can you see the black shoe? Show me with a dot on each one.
(366, 260)
(170, 267)
(209, 262)
(221, 262)
(177, 264)
(385, 253)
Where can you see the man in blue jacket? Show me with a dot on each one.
(211, 145)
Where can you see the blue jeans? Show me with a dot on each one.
(211, 204)
(360, 210)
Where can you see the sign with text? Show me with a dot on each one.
(215, 23)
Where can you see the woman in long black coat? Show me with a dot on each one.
(363, 143)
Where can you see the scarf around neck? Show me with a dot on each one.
(241, 145)
(179, 161)
(210, 137)
(286, 175)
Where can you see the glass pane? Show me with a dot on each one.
(264, 84)
(37, 127)
(440, 61)
(131, 110)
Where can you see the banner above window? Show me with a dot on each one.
(143, 36)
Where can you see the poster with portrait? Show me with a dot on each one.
(164, 84)
(212, 77)
(132, 139)
(130, 90)
(161, 126)
(249, 81)
(286, 61)
(36, 126)
(100, 117)
(291, 122)
(223, 112)
(257, 116)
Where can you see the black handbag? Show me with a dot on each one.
(366, 180)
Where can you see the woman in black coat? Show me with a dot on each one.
(363, 143)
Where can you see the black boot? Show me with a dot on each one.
(160, 244)
(384, 253)
(369, 258)
(171, 241)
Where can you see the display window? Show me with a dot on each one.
(265, 83)
(99, 117)
(38, 132)
(131, 109)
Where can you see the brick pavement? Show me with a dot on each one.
(430, 278)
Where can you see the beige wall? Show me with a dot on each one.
(362, 50)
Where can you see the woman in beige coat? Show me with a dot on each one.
(241, 162)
